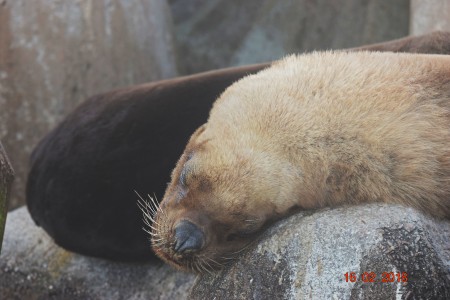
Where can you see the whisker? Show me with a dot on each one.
(192, 266)
(147, 216)
(146, 219)
(243, 248)
(214, 262)
(153, 224)
(155, 203)
(145, 207)
(199, 266)
(205, 267)
(157, 240)
(149, 232)
(157, 245)
(201, 262)
(150, 223)
(229, 259)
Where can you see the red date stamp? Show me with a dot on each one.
(385, 277)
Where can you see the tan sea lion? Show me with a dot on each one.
(315, 130)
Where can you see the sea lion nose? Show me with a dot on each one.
(188, 237)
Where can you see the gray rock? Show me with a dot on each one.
(303, 257)
(221, 33)
(307, 255)
(428, 16)
(33, 267)
(56, 53)
(6, 178)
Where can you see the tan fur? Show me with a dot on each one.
(315, 130)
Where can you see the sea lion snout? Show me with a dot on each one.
(188, 237)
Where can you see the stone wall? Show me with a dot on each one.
(430, 15)
(54, 54)
(220, 33)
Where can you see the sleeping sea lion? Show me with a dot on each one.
(311, 131)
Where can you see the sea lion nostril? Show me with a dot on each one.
(188, 237)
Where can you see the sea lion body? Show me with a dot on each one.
(315, 130)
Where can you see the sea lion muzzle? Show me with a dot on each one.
(188, 237)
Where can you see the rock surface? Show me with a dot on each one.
(307, 255)
(54, 54)
(256, 31)
(33, 267)
(6, 178)
(428, 16)
(303, 257)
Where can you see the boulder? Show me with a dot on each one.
(336, 253)
(306, 256)
(33, 267)
(6, 178)
(255, 31)
(56, 53)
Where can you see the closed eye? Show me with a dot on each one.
(185, 171)
(183, 176)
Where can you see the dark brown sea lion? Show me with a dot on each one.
(316, 130)
(83, 174)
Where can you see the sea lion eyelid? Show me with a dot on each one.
(186, 169)
(183, 176)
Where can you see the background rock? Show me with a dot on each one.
(220, 33)
(307, 255)
(33, 267)
(428, 16)
(54, 54)
(6, 178)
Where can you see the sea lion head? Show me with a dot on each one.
(209, 211)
